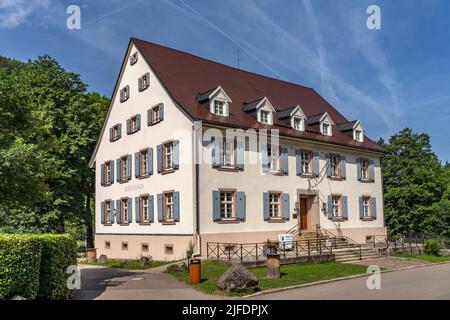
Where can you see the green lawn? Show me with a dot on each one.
(131, 264)
(290, 275)
(422, 257)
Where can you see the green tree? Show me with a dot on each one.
(413, 182)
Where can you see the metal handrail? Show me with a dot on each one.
(350, 243)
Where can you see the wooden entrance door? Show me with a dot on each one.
(303, 214)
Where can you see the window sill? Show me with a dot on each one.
(113, 140)
(143, 88)
(229, 221)
(338, 219)
(152, 123)
(143, 177)
(107, 224)
(306, 175)
(336, 178)
(367, 219)
(169, 223)
(276, 220)
(145, 223)
(124, 224)
(167, 171)
(366, 181)
(123, 100)
(132, 132)
(228, 169)
(123, 181)
(109, 184)
(274, 173)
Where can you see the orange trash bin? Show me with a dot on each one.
(195, 271)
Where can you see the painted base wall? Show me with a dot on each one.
(156, 246)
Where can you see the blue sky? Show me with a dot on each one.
(390, 78)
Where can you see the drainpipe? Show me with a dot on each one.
(197, 139)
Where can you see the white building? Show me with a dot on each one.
(165, 178)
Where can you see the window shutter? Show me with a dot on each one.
(102, 174)
(373, 207)
(160, 207)
(216, 205)
(111, 163)
(328, 164)
(343, 167)
(345, 207)
(284, 161)
(130, 210)
(111, 213)
(161, 112)
(176, 206)
(149, 117)
(111, 134)
(137, 205)
(119, 174)
(150, 161)
(286, 206)
(330, 207)
(316, 163)
(140, 84)
(150, 209)
(264, 158)
(176, 154)
(159, 158)
(118, 210)
(119, 131)
(361, 208)
(372, 170)
(266, 206)
(215, 152)
(241, 202)
(128, 126)
(102, 212)
(137, 160)
(358, 168)
(138, 122)
(240, 152)
(298, 161)
(129, 167)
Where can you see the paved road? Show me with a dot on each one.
(102, 283)
(430, 282)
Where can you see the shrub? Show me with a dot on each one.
(20, 258)
(58, 252)
(432, 247)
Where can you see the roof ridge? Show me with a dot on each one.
(222, 64)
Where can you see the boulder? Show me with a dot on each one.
(17, 297)
(102, 259)
(237, 278)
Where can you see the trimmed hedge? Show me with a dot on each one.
(58, 252)
(34, 266)
(20, 259)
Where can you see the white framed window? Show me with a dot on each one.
(115, 132)
(227, 204)
(358, 135)
(219, 107)
(275, 205)
(108, 173)
(107, 213)
(364, 169)
(145, 215)
(134, 124)
(134, 58)
(335, 162)
(273, 158)
(306, 161)
(326, 129)
(168, 206)
(156, 115)
(168, 155)
(264, 116)
(144, 82)
(124, 93)
(336, 206)
(124, 208)
(227, 153)
(366, 207)
(298, 123)
(124, 167)
(143, 163)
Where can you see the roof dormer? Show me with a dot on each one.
(296, 117)
(219, 101)
(264, 110)
(356, 127)
(324, 121)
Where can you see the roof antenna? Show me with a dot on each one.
(238, 57)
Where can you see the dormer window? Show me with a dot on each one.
(219, 107)
(298, 123)
(358, 135)
(264, 116)
(354, 128)
(133, 58)
(326, 129)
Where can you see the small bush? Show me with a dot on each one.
(59, 251)
(432, 247)
(20, 258)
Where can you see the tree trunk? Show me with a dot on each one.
(88, 224)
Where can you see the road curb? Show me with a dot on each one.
(336, 280)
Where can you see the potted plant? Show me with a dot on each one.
(270, 248)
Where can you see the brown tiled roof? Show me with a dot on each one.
(185, 76)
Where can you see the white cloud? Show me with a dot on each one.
(13, 13)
